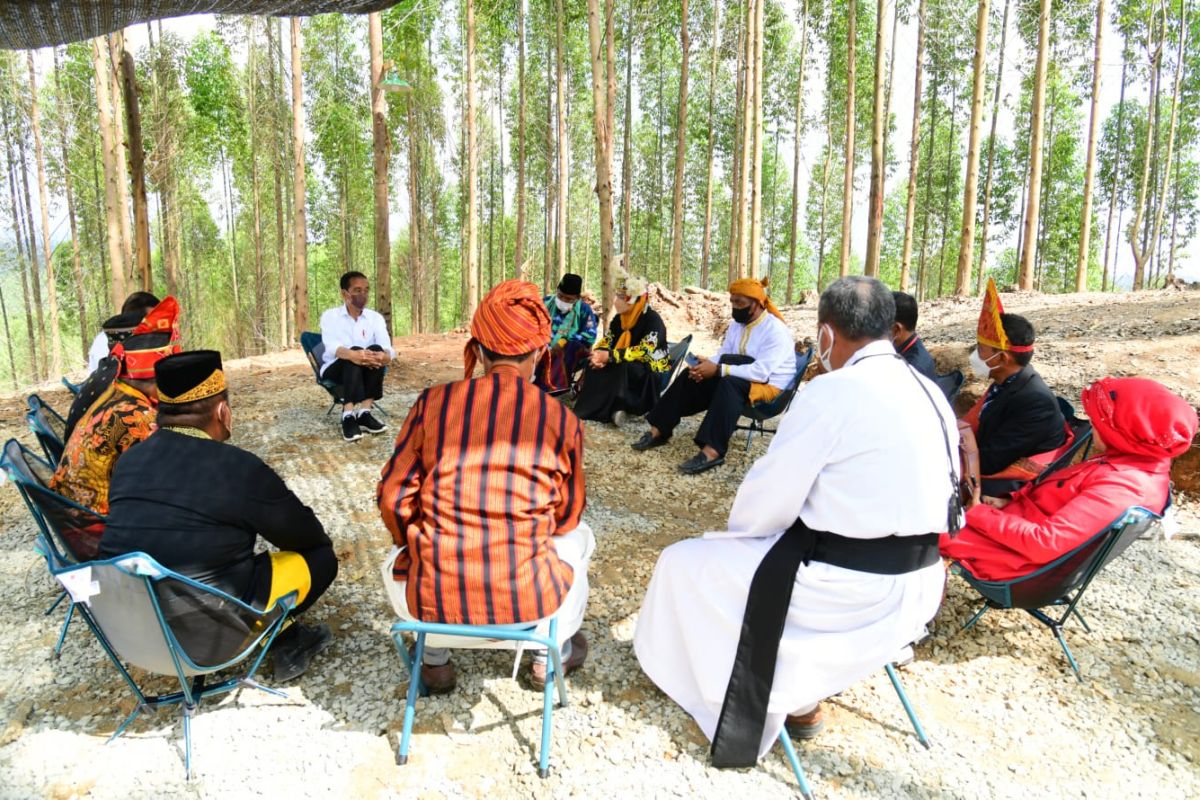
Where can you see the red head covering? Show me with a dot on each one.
(512, 320)
(1140, 417)
(990, 330)
(155, 338)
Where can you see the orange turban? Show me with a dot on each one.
(757, 290)
(512, 320)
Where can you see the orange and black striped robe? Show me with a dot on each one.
(484, 475)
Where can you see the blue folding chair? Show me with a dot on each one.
(48, 426)
(73, 388)
(314, 350)
(759, 413)
(168, 624)
(1063, 581)
(789, 749)
(521, 633)
(68, 533)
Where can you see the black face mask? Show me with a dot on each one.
(741, 315)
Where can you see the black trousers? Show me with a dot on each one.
(358, 383)
(722, 397)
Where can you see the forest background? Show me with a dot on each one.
(243, 163)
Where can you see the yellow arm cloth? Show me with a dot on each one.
(757, 290)
(289, 573)
(628, 320)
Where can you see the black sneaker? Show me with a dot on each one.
(351, 432)
(293, 649)
(369, 424)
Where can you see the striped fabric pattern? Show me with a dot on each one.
(484, 475)
(511, 320)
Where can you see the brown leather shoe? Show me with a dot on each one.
(579, 651)
(806, 726)
(439, 680)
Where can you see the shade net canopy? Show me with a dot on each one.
(29, 24)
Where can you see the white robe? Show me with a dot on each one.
(860, 453)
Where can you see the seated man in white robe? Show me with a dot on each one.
(830, 562)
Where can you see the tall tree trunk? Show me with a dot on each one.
(626, 151)
(299, 224)
(739, 151)
(116, 44)
(745, 182)
(706, 242)
(796, 153)
(991, 156)
(44, 203)
(1033, 200)
(519, 245)
(935, 91)
(966, 242)
(950, 169)
(1085, 222)
(757, 179)
(12, 361)
(602, 67)
(848, 180)
(137, 172)
(277, 170)
(381, 146)
(416, 265)
(548, 204)
(19, 238)
(914, 153)
(1174, 222)
(1112, 197)
(30, 235)
(825, 188)
(564, 144)
(260, 277)
(878, 128)
(76, 261)
(659, 188)
(680, 153)
(231, 236)
(472, 171)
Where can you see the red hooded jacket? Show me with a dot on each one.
(1142, 425)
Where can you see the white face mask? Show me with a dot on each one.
(563, 305)
(825, 356)
(980, 367)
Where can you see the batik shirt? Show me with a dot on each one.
(118, 420)
(578, 325)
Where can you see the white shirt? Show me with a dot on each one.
(97, 351)
(858, 454)
(769, 342)
(339, 329)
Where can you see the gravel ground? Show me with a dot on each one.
(1005, 714)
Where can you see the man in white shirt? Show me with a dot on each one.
(357, 348)
(830, 564)
(755, 363)
(115, 329)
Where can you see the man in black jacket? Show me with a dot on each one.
(1018, 417)
(905, 339)
(197, 506)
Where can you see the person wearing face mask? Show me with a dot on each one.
(1017, 422)
(573, 326)
(756, 361)
(1140, 425)
(829, 566)
(197, 505)
(905, 339)
(484, 496)
(357, 348)
(626, 365)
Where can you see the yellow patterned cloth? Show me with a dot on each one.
(119, 419)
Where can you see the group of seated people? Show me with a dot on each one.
(832, 557)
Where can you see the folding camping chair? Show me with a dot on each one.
(789, 749)
(68, 532)
(314, 350)
(1063, 581)
(950, 384)
(519, 633)
(48, 426)
(73, 388)
(759, 413)
(677, 358)
(1076, 449)
(167, 624)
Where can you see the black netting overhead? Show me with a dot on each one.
(26, 24)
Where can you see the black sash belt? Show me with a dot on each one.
(744, 711)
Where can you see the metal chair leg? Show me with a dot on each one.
(908, 709)
(1058, 634)
(552, 677)
(410, 703)
(1082, 621)
(794, 760)
(188, 710)
(55, 604)
(62, 635)
(978, 615)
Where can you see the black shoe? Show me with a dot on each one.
(649, 440)
(293, 649)
(369, 424)
(700, 463)
(351, 431)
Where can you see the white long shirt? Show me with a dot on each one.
(769, 342)
(97, 351)
(339, 329)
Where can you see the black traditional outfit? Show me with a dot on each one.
(637, 346)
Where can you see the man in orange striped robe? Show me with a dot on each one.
(484, 495)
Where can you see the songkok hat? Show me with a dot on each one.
(991, 330)
(511, 320)
(189, 376)
(571, 284)
(154, 338)
(117, 328)
(756, 290)
(1140, 417)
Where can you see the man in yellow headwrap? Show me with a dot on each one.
(755, 363)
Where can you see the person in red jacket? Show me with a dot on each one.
(1140, 426)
